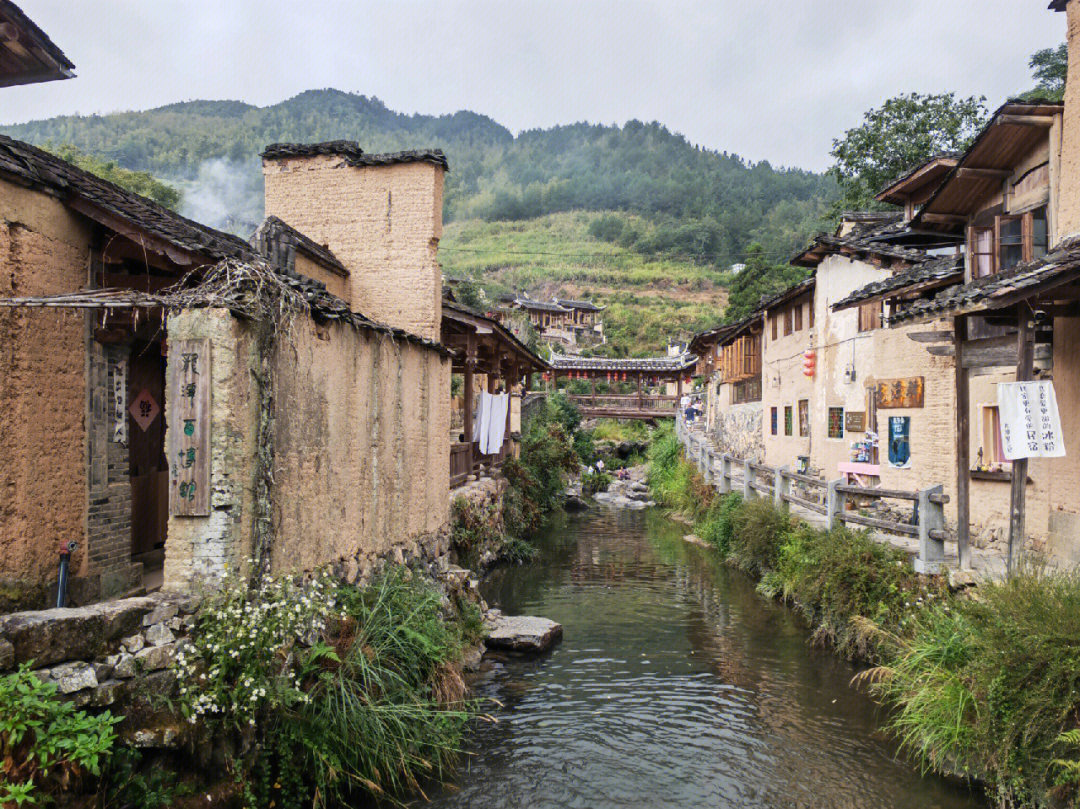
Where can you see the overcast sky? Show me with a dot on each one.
(773, 80)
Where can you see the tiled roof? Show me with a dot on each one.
(994, 291)
(941, 269)
(450, 308)
(859, 242)
(793, 291)
(540, 306)
(274, 228)
(943, 156)
(36, 58)
(39, 169)
(352, 153)
(652, 364)
(1058, 5)
(587, 306)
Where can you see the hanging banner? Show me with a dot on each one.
(1030, 424)
(188, 401)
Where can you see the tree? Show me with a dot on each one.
(757, 280)
(899, 135)
(1049, 67)
(140, 182)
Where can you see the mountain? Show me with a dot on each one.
(685, 211)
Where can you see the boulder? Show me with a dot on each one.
(72, 677)
(159, 635)
(154, 658)
(7, 655)
(574, 503)
(53, 636)
(522, 633)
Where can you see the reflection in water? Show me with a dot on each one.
(675, 686)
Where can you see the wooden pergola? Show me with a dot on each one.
(480, 345)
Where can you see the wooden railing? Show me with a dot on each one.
(627, 405)
(727, 473)
(465, 460)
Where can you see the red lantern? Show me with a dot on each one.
(809, 362)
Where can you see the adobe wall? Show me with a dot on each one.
(43, 396)
(1068, 214)
(361, 448)
(336, 283)
(933, 426)
(1063, 528)
(211, 547)
(382, 222)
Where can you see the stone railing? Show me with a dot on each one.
(726, 473)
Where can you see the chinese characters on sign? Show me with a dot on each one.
(894, 393)
(144, 409)
(189, 428)
(120, 418)
(1030, 425)
(855, 421)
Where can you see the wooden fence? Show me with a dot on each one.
(726, 473)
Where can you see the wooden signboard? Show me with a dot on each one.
(188, 401)
(854, 421)
(894, 393)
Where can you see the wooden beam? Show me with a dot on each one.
(982, 174)
(1041, 121)
(930, 336)
(963, 447)
(1025, 349)
(943, 218)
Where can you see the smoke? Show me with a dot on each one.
(225, 194)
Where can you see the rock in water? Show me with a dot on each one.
(522, 633)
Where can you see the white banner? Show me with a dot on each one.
(1030, 424)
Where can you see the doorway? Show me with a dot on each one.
(147, 464)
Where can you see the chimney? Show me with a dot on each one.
(380, 214)
(1068, 202)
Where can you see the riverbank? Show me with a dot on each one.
(984, 685)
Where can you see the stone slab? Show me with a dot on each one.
(522, 633)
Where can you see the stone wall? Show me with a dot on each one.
(737, 430)
(43, 397)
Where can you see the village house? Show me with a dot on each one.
(569, 324)
(190, 430)
(729, 357)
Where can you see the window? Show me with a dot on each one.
(1010, 242)
(787, 321)
(798, 317)
(772, 414)
(804, 417)
(836, 422)
(774, 320)
(810, 314)
(982, 252)
(870, 316)
(787, 420)
(991, 450)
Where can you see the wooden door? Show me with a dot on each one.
(146, 448)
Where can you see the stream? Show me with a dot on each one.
(675, 685)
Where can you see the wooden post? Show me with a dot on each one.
(679, 388)
(834, 504)
(872, 423)
(639, 403)
(470, 367)
(1025, 353)
(963, 446)
(725, 473)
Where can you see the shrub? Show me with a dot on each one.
(674, 482)
(988, 686)
(46, 746)
(758, 531)
(472, 526)
(717, 525)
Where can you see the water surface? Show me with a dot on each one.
(675, 685)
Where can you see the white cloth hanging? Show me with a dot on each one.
(500, 403)
(482, 422)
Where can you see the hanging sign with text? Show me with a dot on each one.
(896, 393)
(1030, 424)
(188, 400)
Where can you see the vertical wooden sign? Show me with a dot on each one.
(188, 401)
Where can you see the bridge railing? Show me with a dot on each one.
(629, 401)
(727, 473)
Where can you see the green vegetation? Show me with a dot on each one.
(333, 690)
(899, 135)
(141, 182)
(1049, 66)
(46, 746)
(595, 480)
(760, 278)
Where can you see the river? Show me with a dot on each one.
(675, 685)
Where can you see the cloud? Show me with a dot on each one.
(775, 80)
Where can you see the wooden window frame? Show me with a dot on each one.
(1027, 241)
(804, 418)
(789, 420)
(774, 420)
(775, 320)
(810, 313)
(829, 424)
(797, 309)
(788, 321)
(869, 316)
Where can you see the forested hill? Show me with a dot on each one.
(704, 205)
